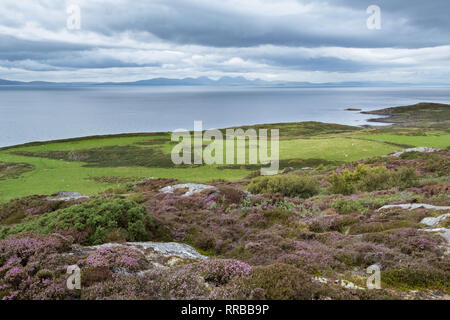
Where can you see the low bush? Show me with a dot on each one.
(222, 271)
(365, 178)
(344, 206)
(289, 185)
(417, 276)
(281, 282)
(231, 195)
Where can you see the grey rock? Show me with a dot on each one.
(287, 170)
(413, 206)
(443, 232)
(165, 249)
(430, 221)
(193, 188)
(66, 196)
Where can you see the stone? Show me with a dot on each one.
(287, 170)
(443, 232)
(194, 188)
(418, 149)
(66, 196)
(430, 221)
(413, 206)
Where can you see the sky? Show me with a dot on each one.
(289, 40)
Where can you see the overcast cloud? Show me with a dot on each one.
(298, 40)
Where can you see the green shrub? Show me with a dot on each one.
(365, 178)
(97, 219)
(278, 215)
(343, 205)
(231, 195)
(417, 277)
(287, 185)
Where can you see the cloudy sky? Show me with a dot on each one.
(297, 40)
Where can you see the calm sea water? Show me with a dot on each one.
(40, 113)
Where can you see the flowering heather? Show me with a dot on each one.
(22, 264)
(220, 272)
(121, 257)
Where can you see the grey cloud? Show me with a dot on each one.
(206, 35)
(189, 22)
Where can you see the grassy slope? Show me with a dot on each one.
(298, 140)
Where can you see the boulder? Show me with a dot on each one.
(66, 196)
(193, 188)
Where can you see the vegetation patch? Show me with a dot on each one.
(95, 222)
(13, 170)
(115, 179)
(290, 185)
(110, 156)
(365, 178)
(16, 210)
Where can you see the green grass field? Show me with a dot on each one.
(59, 165)
(436, 139)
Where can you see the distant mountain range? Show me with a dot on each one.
(222, 82)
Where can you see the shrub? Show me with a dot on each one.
(232, 195)
(99, 218)
(278, 215)
(343, 205)
(289, 185)
(282, 282)
(365, 178)
(411, 155)
(220, 272)
(333, 223)
(417, 276)
(16, 210)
